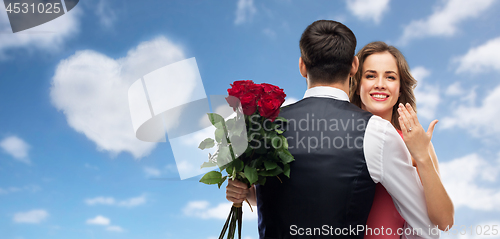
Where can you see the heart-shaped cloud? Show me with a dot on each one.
(91, 88)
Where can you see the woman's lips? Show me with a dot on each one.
(379, 96)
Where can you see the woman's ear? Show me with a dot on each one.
(302, 68)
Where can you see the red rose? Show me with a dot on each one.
(255, 89)
(269, 106)
(236, 90)
(248, 103)
(245, 92)
(243, 82)
(273, 90)
(268, 87)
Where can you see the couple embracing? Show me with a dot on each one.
(364, 166)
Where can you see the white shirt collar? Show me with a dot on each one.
(328, 92)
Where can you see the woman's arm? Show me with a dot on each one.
(434, 157)
(439, 205)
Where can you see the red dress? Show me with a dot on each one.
(383, 215)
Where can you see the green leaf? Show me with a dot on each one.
(212, 177)
(276, 141)
(207, 143)
(224, 156)
(262, 180)
(274, 172)
(281, 119)
(238, 165)
(219, 135)
(208, 164)
(270, 165)
(216, 120)
(251, 174)
(222, 181)
(286, 170)
(230, 123)
(262, 149)
(285, 142)
(285, 156)
(238, 129)
(279, 131)
(252, 135)
(229, 170)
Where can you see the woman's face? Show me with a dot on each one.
(380, 83)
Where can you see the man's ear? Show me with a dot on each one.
(354, 67)
(302, 68)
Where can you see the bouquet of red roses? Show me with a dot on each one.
(252, 151)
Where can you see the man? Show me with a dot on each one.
(340, 153)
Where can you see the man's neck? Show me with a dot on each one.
(342, 86)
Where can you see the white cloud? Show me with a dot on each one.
(202, 209)
(481, 58)
(368, 10)
(89, 166)
(462, 178)
(100, 200)
(99, 220)
(455, 89)
(91, 90)
(427, 95)
(245, 11)
(152, 172)
(480, 121)
(114, 229)
(445, 19)
(16, 147)
(49, 37)
(269, 33)
(106, 15)
(104, 221)
(30, 188)
(466, 97)
(33, 216)
(131, 202)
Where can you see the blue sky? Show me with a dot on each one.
(70, 166)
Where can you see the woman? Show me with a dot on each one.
(381, 86)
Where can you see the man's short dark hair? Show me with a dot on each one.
(327, 49)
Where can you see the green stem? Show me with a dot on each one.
(239, 219)
(224, 229)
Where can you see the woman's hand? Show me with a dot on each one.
(439, 205)
(414, 135)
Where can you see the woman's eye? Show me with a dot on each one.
(392, 77)
(370, 76)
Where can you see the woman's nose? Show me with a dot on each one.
(380, 83)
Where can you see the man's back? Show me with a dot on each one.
(330, 190)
